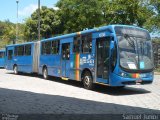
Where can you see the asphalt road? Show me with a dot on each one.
(31, 94)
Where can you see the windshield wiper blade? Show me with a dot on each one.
(131, 41)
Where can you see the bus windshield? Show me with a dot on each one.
(135, 52)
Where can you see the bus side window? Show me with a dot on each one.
(15, 51)
(87, 43)
(48, 47)
(10, 52)
(76, 44)
(1, 54)
(27, 50)
(6, 51)
(43, 49)
(21, 50)
(55, 47)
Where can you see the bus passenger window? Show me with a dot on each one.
(43, 49)
(20, 50)
(27, 50)
(10, 52)
(55, 47)
(1, 54)
(15, 51)
(48, 47)
(87, 43)
(76, 44)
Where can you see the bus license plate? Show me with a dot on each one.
(138, 81)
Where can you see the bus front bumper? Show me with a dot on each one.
(117, 80)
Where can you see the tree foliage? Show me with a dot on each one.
(79, 14)
(8, 33)
(153, 23)
(76, 15)
(49, 24)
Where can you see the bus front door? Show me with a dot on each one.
(102, 65)
(9, 58)
(65, 59)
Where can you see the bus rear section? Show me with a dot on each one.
(20, 58)
(2, 58)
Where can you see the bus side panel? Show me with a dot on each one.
(24, 63)
(79, 62)
(2, 58)
(54, 66)
(87, 61)
(52, 62)
(75, 66)
(2, 62)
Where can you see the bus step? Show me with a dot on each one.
(102, 84)
(64, 78)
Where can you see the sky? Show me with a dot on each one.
(8, 9)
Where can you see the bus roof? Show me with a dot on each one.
(80, 33)
(109, 27)
(26, 43)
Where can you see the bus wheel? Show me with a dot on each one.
(88, 81)
(45, 73)
(15, 69)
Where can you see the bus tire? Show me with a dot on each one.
(15, 69)
(88, 80)
(45, 73)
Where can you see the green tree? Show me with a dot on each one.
(8, 33)
(131, 12)
(153, 23)
(49, 24)
(79, 14)
(76, 15)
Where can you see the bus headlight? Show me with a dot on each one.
(129, 75)
(122, 74)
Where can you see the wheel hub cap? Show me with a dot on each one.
(86, 80)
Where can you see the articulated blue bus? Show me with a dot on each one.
(114, 55)
(2, 58)
(22, 57)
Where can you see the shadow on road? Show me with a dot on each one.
(98, 88)
(24, 102)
